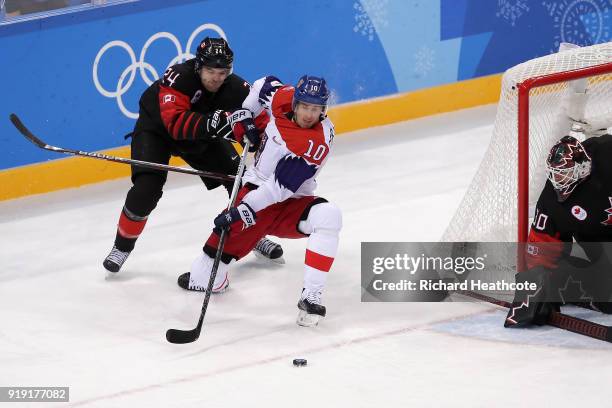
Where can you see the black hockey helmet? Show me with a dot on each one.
(214, 53)
(567, 165)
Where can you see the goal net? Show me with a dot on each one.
(537, 99)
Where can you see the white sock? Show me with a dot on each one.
(323, 224)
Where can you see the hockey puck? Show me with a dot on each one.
(300, 362)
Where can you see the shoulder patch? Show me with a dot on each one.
(579, 212)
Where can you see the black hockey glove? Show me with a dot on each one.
(217, 125)
(242, 212)
(243, 125)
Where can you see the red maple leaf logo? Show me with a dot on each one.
(609, 211)
(514, 316)
(568, 157)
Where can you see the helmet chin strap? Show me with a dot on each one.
(563, 194)
(322, 117)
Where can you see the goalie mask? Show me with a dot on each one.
(568, 164)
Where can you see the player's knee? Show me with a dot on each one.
(325, 217)
(150, 185)
(145, 193)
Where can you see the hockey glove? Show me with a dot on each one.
(243, 125)
(242, 212)
(217, 125)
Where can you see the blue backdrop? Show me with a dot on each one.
(76, 78)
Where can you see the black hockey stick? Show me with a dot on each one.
(32, 138)
(177, 336)
(557, 319)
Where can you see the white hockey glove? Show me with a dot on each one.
(243, 125)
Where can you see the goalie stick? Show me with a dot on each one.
(157, 166)
(177, 336)
(557, 319)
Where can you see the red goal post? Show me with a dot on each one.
(524, 89)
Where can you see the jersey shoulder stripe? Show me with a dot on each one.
(282, 102)
(268, 88)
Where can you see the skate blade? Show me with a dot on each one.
(307, 320)
(110, 275)
(279, 261)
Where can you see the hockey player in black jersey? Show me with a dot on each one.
(184, 114)
(574, 206)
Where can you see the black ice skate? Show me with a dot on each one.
(184, 281)
(115, 260)
(266, 249)
(311, 309)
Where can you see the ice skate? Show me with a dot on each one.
(269, 250)
(311, 309)
(115, 260)
(185, 282)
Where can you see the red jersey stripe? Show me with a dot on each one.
(320, 262)
(543, 250)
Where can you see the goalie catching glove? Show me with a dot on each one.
(242, 212)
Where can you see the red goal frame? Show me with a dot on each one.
(523, 132)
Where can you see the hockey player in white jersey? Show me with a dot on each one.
(278, 192)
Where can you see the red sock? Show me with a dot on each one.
(130, 228)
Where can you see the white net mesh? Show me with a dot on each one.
(488, 211)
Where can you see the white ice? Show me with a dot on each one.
(63, 324)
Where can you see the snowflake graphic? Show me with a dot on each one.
(368, 15)
(358, 90)
(580, 22)
(424, 61)
(334, 98)
(511, 10)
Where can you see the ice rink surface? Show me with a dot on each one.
(64, 324)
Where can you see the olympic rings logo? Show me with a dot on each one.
(123, 84)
